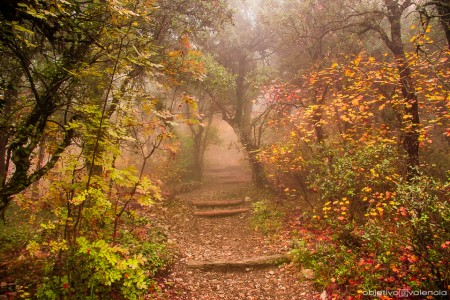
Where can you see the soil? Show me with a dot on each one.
(201, 239)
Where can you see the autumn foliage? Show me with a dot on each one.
(106, 107)
(341, 151)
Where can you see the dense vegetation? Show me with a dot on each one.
(341, 106)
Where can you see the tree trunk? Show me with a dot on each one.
(258, 174)
(411, 122)
(199, 139)
(10, 95)
(35, 191)
(242, 124)
(206, 139)
(318, 114)
(444, 17)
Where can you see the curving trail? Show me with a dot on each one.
(204, 241)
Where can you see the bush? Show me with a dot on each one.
(403, 243)
(354, 178)
(99, 270)
(266, 217)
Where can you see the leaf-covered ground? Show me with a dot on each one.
(230, 238)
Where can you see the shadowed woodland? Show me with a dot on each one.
(224, 149)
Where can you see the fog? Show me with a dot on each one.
(228, 153)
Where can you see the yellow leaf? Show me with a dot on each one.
(173, 53)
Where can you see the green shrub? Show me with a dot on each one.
(99, 270)
(266, 217)
(355, 176)
(404, 243)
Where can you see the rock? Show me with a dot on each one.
(220, 213)
(261, 261)
(216, 203)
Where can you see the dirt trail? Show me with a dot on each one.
(200, 239)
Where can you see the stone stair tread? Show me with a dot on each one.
(220, 212)
(234, 181)
(210, 203)
(253, 262)
(223, 170)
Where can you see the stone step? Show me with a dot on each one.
(224, 169)
(255, 262)
(216, 203)
(226, 176)
(220, 212)
(218, 171)
(234, 181)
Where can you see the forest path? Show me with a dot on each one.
(227, 238)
